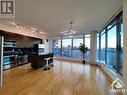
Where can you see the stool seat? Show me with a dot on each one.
(47, 58)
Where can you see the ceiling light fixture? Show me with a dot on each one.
(26, 28)
(70, 31)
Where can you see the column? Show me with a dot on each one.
(50, 45)
(46, 49)
(93, 47)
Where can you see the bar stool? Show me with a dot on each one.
(47, 67)
(52, 64)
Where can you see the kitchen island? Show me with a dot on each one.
(38, 60)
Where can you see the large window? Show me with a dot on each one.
(121, 49)
(111, 45)
(69, 47)
(87, 43)
(75, 51)
(97, 56)
(66, 47)
(57, 47)
(103, 46)
(111, 48)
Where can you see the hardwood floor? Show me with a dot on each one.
(66, 78)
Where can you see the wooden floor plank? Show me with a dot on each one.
(67, 78)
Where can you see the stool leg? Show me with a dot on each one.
(47, 64)
(54, 65)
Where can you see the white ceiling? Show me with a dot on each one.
(53, 16)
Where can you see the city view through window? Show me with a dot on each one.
(109, 46)
(69, 47)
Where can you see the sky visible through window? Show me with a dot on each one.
(112, 37)
(76, 42)
(66, 43)
(122, 35)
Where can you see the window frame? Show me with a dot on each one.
(116, 21)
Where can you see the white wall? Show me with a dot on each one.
(50, 45)
(111, 73)
(47, 45)
(93, 47)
